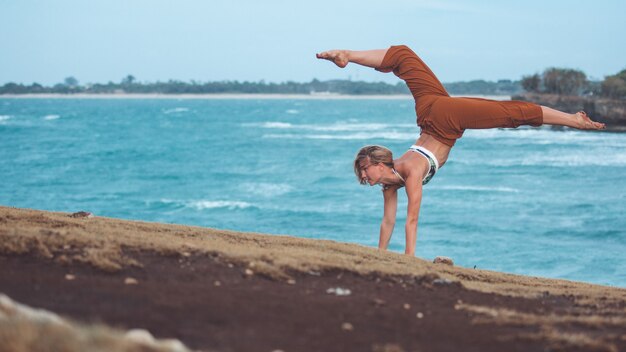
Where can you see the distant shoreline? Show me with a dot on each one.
(231, 96)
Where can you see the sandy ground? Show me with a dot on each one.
(318, 96)
(218, 290)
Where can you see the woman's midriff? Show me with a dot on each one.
(431, 143)
(423, 107)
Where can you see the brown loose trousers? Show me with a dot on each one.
(445, 117)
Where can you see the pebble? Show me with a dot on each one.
(217, 283)
(339, 291)
(186, 254)
(420, 315)
(130, 281)
(347, 327)
(249, 272)
(407, 306)
(379, 302)
(69, 277)
(443, 260)
(291, 282)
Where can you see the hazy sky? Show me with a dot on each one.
(96, 41)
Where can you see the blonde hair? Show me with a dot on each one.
(377, 155)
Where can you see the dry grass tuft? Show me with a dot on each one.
(553, 328)
(560, 341)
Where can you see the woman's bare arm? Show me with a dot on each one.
(390, 196)
(341, 58)
(414, 193)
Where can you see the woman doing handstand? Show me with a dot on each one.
(442, 120)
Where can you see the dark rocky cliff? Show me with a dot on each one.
(609, 111)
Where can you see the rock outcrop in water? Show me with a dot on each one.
(609, 111)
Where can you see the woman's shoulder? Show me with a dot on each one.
(412, 164)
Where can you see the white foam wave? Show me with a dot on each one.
(540, 136)
(292, 111)
(51, 117)
(175, 110)
(592, 157)
(351, 136)
(276, 125)
(335, 127)
(578, 159)
(475, 188)
(5, 117)
(267, 189)
(212, 204)
(208, 204)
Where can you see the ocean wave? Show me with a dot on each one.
(273, 125)
(292, 111)
(335, 127)
(351, 136)
(601, 157)
(205, 204)
(175, 110)
(581, 159)
(212, 204)
(51, 117)
(542, 136)
(267, 189)
(475, 188)
(5, 117)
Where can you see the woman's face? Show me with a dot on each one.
(371, 173)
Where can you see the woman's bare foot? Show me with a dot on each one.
(339, 57)
(583, 122)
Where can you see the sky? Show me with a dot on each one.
(98, 41)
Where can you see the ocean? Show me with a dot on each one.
(532, 201)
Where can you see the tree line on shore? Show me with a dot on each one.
(574, 82)
(129, 85)
(551, 81)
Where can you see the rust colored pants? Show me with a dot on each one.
(445, 117)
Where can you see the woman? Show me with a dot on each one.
(442, 120)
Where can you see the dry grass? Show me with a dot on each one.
(559, 341)
(562, 331)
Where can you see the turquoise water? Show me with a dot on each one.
(528, 201)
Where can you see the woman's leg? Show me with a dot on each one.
(341, 58)
(400, 60)
(579, 120)
(450, 117)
